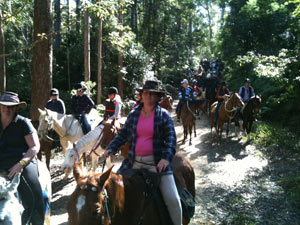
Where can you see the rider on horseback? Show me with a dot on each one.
(246, 91)
(81, 104)
(113, 105)
(186, 93)
(222, 94)
(55, 103)
(149, 129)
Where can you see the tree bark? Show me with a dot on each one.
(77, 11)
(57, 24)
(99, 74)
(41, 57)
(87, 47)
(120, 61)
(2, 58)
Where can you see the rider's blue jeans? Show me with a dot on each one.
(86, 123)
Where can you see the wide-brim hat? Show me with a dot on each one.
(152, 86)
(12, 99)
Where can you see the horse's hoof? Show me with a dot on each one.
(190, 143)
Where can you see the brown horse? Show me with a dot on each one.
(110, 130)
(167, 102)
(188, 117)
(227, 112)
(125, 196)
(46, 145)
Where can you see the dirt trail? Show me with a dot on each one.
(233, 185)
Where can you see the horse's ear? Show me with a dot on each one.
(77, 172)
(104, 178)
(40, 111)
(113, 121)
(46, 110)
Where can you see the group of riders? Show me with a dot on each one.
(149, 130)
(212, 91)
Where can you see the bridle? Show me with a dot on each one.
(234, 109)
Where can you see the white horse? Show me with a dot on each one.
(11, 208)
(66, 126)
(89, 142)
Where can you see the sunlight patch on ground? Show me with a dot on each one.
(233, 171)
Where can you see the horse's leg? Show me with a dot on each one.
(194, 125)
(48, 155)
(227, 129)
(184, 134)
(191, 132)
(249, 129)
(236, 127)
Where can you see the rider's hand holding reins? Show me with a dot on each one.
(162, 165)
(106, 154)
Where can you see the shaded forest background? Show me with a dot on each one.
(122, 42)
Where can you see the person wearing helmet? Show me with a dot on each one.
(55, 103)
(195, 87)
(81, 104)
(186, 93)
(113, 105)
(222, 94)
(246, 91)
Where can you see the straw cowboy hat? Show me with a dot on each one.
(11, 99)
(152, 86)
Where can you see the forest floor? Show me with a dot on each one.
(235, 182)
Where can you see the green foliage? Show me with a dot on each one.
(267, 134)
(292, 187)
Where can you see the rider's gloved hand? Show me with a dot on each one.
(106, 154)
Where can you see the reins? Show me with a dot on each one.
(189, 109)
(234, 109)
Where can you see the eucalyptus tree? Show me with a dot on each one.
(41, 82)
(14, 25)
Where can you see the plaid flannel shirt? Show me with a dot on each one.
(164, 138)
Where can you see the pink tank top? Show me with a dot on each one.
(144, 141)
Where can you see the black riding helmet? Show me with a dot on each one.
(223, 83)
(247, 80)
(112, 90)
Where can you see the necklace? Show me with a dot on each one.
(145, 113)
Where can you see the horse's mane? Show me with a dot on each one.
(89, 138)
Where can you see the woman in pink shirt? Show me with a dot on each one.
(150, 132)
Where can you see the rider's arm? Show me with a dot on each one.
(33, 143)
(168, 137)
(253, 94)
(90, 104)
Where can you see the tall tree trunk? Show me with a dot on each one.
(57, 23)
(41, 57)
(87, 47)
(120, 61)
(99, 74)
(77, 11)
(68, 47)
(207, 6)
(2, 58)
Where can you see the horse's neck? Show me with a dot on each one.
(116, 191)
(88, 141)
(58, 124)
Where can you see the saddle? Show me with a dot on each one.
(153, 193)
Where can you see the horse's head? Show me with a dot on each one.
(254, 103)
(45, 123)
(236, 100)
(71, 156)
(10, 208)
(110, 130)
(167, 102)
(86, 204)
